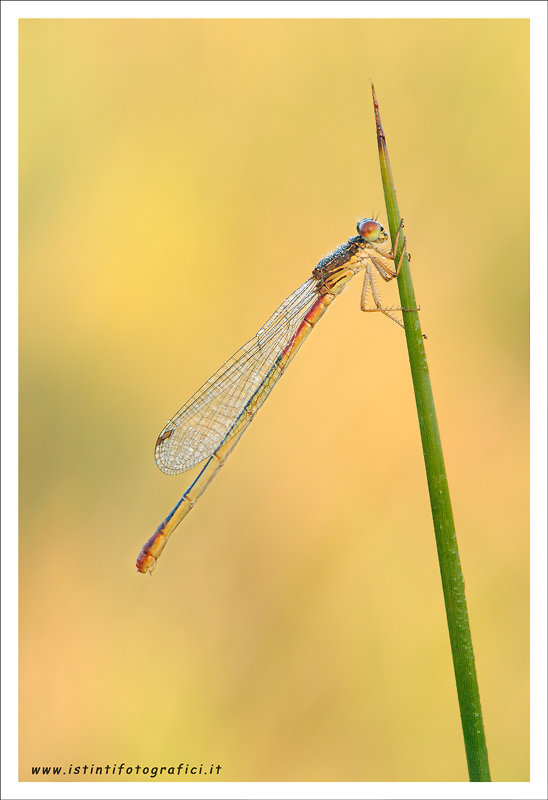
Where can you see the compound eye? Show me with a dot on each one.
(369, 229)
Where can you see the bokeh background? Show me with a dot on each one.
(178, 179)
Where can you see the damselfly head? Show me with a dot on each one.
(371, 230)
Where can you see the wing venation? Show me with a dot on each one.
(198, 429)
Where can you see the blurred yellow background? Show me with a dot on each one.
(178, 179)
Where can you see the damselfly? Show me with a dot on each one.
(212, 422)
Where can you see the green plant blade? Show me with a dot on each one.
(440, 502)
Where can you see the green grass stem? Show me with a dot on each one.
(442, 513)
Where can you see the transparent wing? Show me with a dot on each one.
(198, 429)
